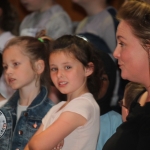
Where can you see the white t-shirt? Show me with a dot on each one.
(20, 109)
(84, 137)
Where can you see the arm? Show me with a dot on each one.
(54, 134)
(38, 132)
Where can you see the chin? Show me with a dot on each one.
(14, 88)
(63, 92)
(125, 75)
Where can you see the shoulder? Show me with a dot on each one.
(85, 100)
(84, 105)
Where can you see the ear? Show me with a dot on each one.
(39, 66)
(89, 69)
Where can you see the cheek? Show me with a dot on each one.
(52, 76)
(4, 75)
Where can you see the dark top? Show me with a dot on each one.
(134, 134)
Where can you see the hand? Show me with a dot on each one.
(59, 146)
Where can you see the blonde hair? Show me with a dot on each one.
(132, 91)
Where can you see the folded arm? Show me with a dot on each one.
(55, 133)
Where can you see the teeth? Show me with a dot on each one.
(61, 83)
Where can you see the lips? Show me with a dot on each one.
(62, 83)
(11, 80)
(120, 64)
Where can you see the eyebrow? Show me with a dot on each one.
(62, 63)
(13, 60)
(120, 37)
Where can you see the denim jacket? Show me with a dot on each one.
(15, 133)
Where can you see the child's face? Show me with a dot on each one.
(17, 69)
(35, 5)
(68, 74)
(104, 87)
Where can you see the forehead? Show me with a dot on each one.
(13, 48)
(13, 51)
(62, 58)
(62, 54)
(125, 33)
(124, 29)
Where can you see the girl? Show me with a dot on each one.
(75, 70)
(9, 26)
(26, 69)
(1, 71)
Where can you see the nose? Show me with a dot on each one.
(8, 71)
(59, 73)
(116, 53)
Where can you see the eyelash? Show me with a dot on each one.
(55, 69)
(121, 44)
(15, 64)
(5, 67)
(67, 67)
